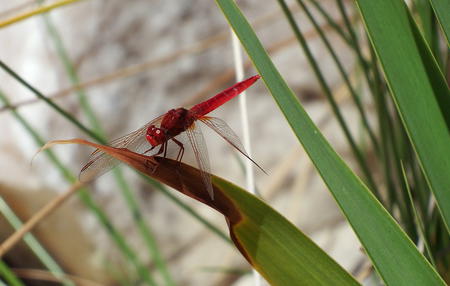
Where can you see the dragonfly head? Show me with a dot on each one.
(155, 135)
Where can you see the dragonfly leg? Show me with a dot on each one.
(179, 157)
(148, 150)
(161, 149)
(164, 147)
(181, 151)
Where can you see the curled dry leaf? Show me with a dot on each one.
(269, 242)
(184, 178)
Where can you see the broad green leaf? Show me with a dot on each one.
(269, 242)
(393, 254)
(442, 10)
(433, 71)
(416, 87)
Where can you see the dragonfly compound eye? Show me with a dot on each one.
(155, 136)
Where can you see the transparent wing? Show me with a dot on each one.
(100, 162)
(221, 128)
(201, 155)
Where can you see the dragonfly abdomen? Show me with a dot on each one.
(209, 105)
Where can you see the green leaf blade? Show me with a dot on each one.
(275, 247)
(393, 254)
(416, 87)
(442, 10)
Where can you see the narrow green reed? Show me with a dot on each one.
(379, 92)
(34, 244)
(328, 93)
(56, 107)
(441, 8)
(429, 27)
(349, 38)
(399, 144)
(344, 75)
(388, 123)
(85, 197)
(371, 71)
(384, 120)
(127, 193)
(420, 192)
(419, 221)
(9, 276)
(357, 48)
(72, 74)
(332, 23)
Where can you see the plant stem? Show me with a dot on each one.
(343, 73)
(332, 23)
(326, 89)
(9, 276)
(34, 244)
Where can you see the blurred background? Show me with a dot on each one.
(132, 61)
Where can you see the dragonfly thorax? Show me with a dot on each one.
(173, 123)
(155, 135)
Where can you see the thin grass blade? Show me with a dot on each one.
(418, 220)
(37, 11)
(329, 95)
(34, 244)
(9, 276)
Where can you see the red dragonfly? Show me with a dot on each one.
(165, 128)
